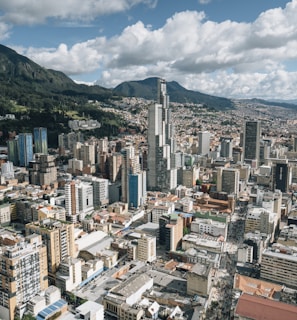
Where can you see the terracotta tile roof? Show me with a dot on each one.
(255, 286)
(258, 308)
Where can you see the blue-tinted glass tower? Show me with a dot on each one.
(25, 147)
(40, 140)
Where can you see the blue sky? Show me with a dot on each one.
(231, 48)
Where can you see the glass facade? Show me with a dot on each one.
(25, 146)
(40, 140)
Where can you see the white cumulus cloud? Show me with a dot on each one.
(232, 59)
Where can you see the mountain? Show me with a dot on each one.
(290, 104)
(40, 97)
(20, 74)
(148, 89)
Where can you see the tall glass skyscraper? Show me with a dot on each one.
(251, 141)
(161, 144)
(40, 140)
(25, 147)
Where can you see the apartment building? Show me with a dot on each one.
(23, 274)
(58, 237)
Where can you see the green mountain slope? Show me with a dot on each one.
(43, 97)
(20, 74)
(148, 89)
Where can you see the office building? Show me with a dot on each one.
(13, 152)
(100, 190)
(137, 189)
(171, 231)
(78, 200)
(228, 180)
(67, 141)
(279, 265)
(161, 143)
(86, 153)
(226, 147)
(282, 176)
(114, 166)
(43, 170)
(7, 170)
(58, 237)
(25, 149)
(23, 274)
(251, 142)
(265, 148)
(40, 140)
(130, 164)
(204, 143)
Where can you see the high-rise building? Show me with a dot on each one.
(23, 274)
(86, 153)
(228, 180)
(40, 140)
(204, 142)
(282, 176)
(226, 147)
(68, 141)
(114, 166)
(146, 248)
(137, 189)
(58, 237)
(161, 143)
(13, 152)
(100, 189)
(129, 165)
(251, 141)
(25, 148)
(78, 200)
(171, 231)
(43, 170)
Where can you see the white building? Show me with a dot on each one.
(100, 189)
(204, 142)
(146, 248)
(160, 209)
(69, 275)
(211, 227)
(78, 200)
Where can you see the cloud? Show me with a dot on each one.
(4, 30)
(204, 1)
(228, 58)
(26, 12)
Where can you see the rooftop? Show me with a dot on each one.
(258, 308)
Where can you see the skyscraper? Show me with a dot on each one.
(161, 144)
(228, 180)
(25, 147)
(282, 176)
(13, 152)
(40, 140)
(226, 147)
(251, 141)
(204, 142)
(43, 170)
